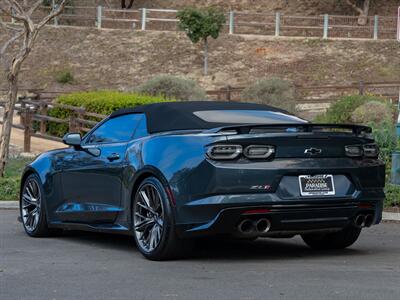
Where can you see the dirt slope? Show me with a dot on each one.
(124, 59)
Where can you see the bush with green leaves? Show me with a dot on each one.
(275, 92)
(171, 87)
(101, 102)
(374, 112)
(342, 110)
(385, 137)
(392, 192)
(64, 77)
(200, 24)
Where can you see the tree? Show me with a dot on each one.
(23, 36)
(123, 4)
(362, 8)
(200, 24)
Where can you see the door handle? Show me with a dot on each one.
(112, 157)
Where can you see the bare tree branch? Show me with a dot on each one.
(7, 44)
(54, 13)
(34, 7)
(10, 27)
(354, 6)
(29, 31)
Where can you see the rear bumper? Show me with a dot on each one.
(222, 214)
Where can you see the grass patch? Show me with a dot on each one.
(9, 184)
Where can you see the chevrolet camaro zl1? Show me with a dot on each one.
(167, 173)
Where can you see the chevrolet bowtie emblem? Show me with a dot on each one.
(313, 151)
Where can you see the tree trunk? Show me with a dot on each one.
(363, 17)
(123, 4)
(7, 122)
(362, 12)
(205, 57)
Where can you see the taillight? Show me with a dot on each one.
(218, 152)
(259, 151)
(354, 151)
(367, 150)
(371, 150)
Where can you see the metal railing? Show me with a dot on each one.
(256, 23)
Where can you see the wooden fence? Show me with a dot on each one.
(256, 23)
(34, 111)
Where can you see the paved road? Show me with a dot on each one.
(92, 266)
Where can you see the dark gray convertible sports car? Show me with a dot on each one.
(170, 172)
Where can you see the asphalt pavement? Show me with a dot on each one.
(80, 265)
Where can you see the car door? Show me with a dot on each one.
(92, 184)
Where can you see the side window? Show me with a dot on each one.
(141, 129)
(115, 130)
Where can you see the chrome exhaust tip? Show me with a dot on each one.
(369, 219)
(359, 221)
(263, 225)
(246, 226)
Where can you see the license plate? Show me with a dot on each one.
(318, 185)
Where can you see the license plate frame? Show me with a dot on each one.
(317, 185)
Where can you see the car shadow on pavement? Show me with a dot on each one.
(219, 249)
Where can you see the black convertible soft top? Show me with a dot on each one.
(170, 116)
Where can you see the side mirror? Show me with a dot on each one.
(72, 139)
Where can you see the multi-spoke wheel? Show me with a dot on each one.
(149, 217)
(153, 224)
(30, 208)
(33, 215)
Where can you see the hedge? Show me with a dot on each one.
(101, 102)
(342, 110)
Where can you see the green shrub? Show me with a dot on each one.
(275, 92)
(341, 111)
(101, 102)
(392, 192)
(385, 136)
(171, 87)
(372, 112)
(64, 77)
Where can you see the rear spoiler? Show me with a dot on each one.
(296, 127)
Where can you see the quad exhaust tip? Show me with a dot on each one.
(263, 225)
(359, 221)
(260, 226)
(369, 219)
(246, 226)
(362, 221)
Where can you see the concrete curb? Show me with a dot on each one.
(387, 216)
(391, 216)
(9, 204)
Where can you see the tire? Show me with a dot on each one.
(32, 208)
(149, 211)
(337, 240)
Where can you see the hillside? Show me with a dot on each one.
(123, 59)
(303, 7)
